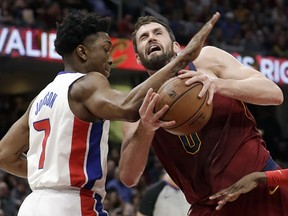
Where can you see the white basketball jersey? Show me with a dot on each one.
(65, 151)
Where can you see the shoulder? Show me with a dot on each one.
(87, 85)
(214, 59)
(214, 54)
(210, 53)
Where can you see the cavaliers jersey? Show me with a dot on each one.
(228, 147)
(65, 152)
(201, 158)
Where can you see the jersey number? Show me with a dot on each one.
(191, 143)
(43, 125)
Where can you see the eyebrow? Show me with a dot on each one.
(153, 30)
(109, 42)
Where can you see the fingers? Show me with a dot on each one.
(218, 194)
(206, 29)
(160, 113)
(214, 18)
(210, 24)
(150, 119)
(195, 45)
(226, 196)
(146, 100)
(196, 76)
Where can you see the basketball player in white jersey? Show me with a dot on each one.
(65, 129)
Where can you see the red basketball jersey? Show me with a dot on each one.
(227, 148)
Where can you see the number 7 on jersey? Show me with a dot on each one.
(43, 125)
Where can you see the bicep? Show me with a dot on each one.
(224, 65)
(94, 94)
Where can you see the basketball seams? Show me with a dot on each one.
(166, 83)
(185, 107)
(180, 96)
(195, 113)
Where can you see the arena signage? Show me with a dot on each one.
(16, 42)
(38, 44)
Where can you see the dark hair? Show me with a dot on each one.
(146, 20)
(76, 27)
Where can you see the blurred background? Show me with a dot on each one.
(256, 33)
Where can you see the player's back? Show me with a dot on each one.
(64, 150)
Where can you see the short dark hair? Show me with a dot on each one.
(146, 20)
(76, 27)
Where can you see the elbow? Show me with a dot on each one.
(4, 158)
(127, 179)
(279, 101)
(279, 98)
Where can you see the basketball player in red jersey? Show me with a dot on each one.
(227, 148)
(272, 178)
(65, 129)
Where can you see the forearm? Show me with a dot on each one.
(13, 160)
(135, 155)
(277, 177)
(13, 145)
(254, 90)
(17, 168)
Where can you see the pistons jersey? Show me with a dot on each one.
(65, 152)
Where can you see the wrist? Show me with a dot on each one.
(146, 128)
(260, 177)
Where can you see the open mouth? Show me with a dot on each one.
(153, 48)
(108, 70)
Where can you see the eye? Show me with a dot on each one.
(107, 48)
(143, 38)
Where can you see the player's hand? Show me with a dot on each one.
(150, 120)
(244, 185)
(198, 76)
(195, 45)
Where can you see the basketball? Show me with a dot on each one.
(190, 112)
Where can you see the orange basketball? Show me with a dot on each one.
(190, 112)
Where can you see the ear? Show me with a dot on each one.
(138, 59)
(176, 47)
(82, 52)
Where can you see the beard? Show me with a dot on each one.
(157, 61)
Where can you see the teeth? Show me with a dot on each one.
(152, 47)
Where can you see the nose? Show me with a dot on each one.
(110, 61)
(151, 37)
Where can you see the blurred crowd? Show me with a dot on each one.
(245, 26)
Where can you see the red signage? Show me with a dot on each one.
(35, 43)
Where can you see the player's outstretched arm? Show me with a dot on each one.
(119, 106)
(193, 48)
(244, 185)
